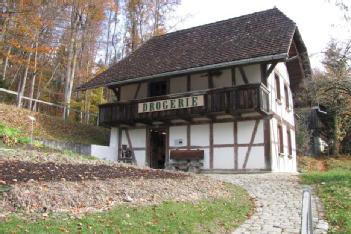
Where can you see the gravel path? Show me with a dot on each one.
(278, 199)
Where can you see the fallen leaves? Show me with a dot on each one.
(99, 195)
(19, 171)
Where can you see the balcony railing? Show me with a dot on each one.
(232, 100)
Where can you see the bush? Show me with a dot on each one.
(12, 136)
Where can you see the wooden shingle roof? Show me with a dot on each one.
(262, 34)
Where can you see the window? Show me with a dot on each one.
(158, 88)
(280, 140)
(289, 142)
(286, 93)
(277, 86)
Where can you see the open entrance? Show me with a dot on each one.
(157, 155)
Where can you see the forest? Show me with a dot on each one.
(48, 48)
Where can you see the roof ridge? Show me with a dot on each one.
(222, 21)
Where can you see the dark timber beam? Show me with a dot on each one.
(210, 80)
(188, 83)
(211, 145)
(292, 58)
(116, 92)
(235, 144)
(137, 91)
(269, 70)
(130, 145)
(251, 143)
(243, 75)
(233, 76)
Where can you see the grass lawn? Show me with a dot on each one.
(217, 216)
(333, 186)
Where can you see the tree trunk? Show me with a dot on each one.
(6, 63)
(45, 86)
(336, 144)
(108, 38)
(22, 85)
(31, 92)
(70, 62)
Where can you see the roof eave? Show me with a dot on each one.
(282, 57)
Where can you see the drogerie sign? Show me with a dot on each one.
(171, 104)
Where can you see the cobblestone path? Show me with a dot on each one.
(278, 199)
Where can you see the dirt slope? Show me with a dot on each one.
(54, 128)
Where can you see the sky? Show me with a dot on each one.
(317, 20)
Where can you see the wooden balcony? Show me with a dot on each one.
(223, 101)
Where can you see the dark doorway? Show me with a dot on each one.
(157, 155)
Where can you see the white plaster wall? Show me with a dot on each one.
(206, 159)
(223, 133)
(245, 130)
(140, 156)
(274, 145)
(282, 163)
(114, 137)
(178, 84)
(177, 132)
(104, 152)
(138, 137)
(224, 80)
(255, 160)
(199, 81)
(200, 135)
(253, 74)
(223, 158)
(277, 107)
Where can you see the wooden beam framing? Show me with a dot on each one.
(263, 67)
(115, 92)
(292, 58)
(211, 145)
(235, 144)
(267, 144)
(147, 145)
(137, 91)
(269, 70)
(233, 76)
(119, 144)
(251, 142)
(188, 83)
(243, 75)
(217, 146)
(210, 80)
(188, 135)
(167, 147)
(130, 144)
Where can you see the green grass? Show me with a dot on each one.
(334, 188)
(217, 216)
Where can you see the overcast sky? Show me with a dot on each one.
(318, 20)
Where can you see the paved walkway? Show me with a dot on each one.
(278, 198)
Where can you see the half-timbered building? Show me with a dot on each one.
(218, 97)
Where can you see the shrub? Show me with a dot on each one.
(12, 136)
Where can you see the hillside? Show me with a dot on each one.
(53, 128)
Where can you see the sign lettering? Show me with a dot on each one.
(171, 104)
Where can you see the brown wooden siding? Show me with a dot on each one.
(232, 100)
